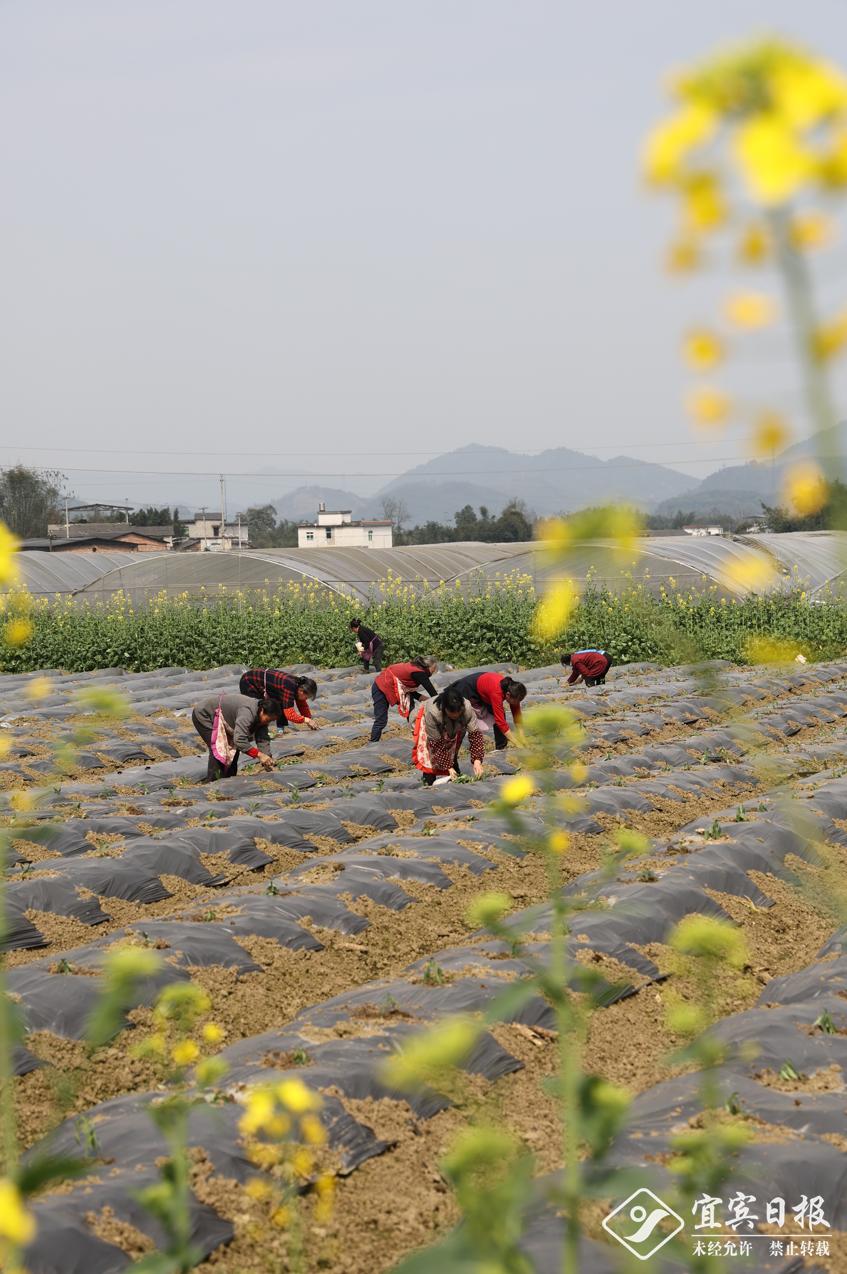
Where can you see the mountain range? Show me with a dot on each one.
(556, 481)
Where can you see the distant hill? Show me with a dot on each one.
(556, 481)
(301, 505)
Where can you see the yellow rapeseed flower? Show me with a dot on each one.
(704, 206)
(770, 650)
(312, 1130)
(22, 801)
(811, 230)
(294, 1094)
(754, 245)
(516, 790)
(258, 1189)
(771, 434)
(213, 1033)
(752, 571)
(750, 309)
(804, 489)
(302, 1161)
(9, 545)
(772, 161)
(5, 746)
(17, 632)
(185, 1052)
(671, 141)
(38, 688)
(17, 1224)
(558, 841)
(830, 338)
(555, 609)
(683, 255)
(708, 406)
(578, 772)
(702, 349)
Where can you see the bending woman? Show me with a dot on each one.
(488, 693)
(290, 692)
(440, 726)
(400, 684)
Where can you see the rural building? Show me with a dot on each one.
(212, 533)
(76, 536)
(335, 528)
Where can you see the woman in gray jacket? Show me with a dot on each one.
(246, 724)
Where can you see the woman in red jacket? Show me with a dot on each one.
(488, 693)
(400, 684)
(589, 665)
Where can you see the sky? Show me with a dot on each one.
(339, 238)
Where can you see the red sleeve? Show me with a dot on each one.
(254, 752)
(476, 743)
(574, 677)
(488, 689)
(291, 714)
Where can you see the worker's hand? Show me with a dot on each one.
(311, 725)
(477, 769)
(453, 774)
(266, 761)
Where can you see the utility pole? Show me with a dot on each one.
(239, 530)
(223, 503)
(67, 521)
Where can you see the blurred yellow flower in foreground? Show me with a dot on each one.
(772, 160)
(516, 790)
(555, 609)
(17, 632)
(17, 1225)
(683, 255)
(672, 141)
(708, 406)
(704, 206)
(38, 688)
(750, 309)
(751, 571)
(770, 650)
(811, 230)
(702, 349)
(771, 434)
(830, 338)
(9, 545)
(754, 244)
(804, 489)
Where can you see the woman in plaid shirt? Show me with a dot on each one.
(293, 693)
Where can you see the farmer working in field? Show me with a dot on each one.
(368, 644)
(488, 693)
(290, 692)
(440, 726)
(229, 724)
(400, 684)
(589, 665)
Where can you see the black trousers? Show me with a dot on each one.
(214, 769)
(376, 657)
(501, 740)
(380, 713)
(601, 680)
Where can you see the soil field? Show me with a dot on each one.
(323, 908)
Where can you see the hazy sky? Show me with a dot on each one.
(318, 237)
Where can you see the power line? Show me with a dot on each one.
(458, 476)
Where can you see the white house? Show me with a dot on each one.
(703, 530)
(215, 535)
(335, 528)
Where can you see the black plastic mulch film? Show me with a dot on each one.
(635, 706)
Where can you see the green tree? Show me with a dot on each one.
(29, 499)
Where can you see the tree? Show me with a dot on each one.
(513, 526)
(266, 533)
(832, 513)
(152, 516)
(29, 499)
(395, 511)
